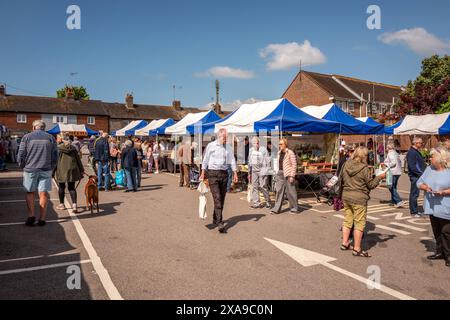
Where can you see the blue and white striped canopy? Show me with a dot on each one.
(279, 115)
(130, 128)
(350, 124)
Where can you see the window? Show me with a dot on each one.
(21, 118)
(59, 119)
(375, 108)
(351, 107)
(342, 105)
(90, 120)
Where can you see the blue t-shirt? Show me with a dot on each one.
(438, 206)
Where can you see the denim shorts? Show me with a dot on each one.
(40, 181)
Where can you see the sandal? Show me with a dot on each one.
(346, 247)
(361, 253)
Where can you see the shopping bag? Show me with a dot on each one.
(120, 178)
(249, 193)
(389, 178)
(202, 188)
(202, 206)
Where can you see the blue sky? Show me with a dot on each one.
(145, 47)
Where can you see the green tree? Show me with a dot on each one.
(445, 107)
(429, 91)
(79, 93)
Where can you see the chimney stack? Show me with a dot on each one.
(176, 104)
(129, 101)
(2, 90)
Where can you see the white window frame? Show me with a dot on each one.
(21, 118)
(91, 122)
(57, 118)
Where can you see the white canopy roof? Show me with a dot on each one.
(318, 111)
(189, 119)
(426, 124)
(131, 125)
(243, 119)
(155, 124)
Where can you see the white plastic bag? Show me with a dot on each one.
(203, 189)
(249, 193)
(202, 206)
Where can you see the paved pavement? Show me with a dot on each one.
(152, 245)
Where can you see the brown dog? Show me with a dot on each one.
(91, 192)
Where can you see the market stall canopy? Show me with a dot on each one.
(280, 115)
(192, 120)
(155, 127)
(130, 128)
(427, 124)
(74, 129)
(349, 123)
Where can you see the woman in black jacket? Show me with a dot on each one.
(129, 161)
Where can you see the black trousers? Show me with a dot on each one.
(72, 192)
(218, 180)
(441, 231)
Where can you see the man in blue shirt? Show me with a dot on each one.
(37, 157)
(416, 167)
(218, 155)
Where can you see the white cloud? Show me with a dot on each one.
(418, 40)
(232, 105)
(288, 55)
(226, 72)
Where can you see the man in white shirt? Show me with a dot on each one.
(218, 155)
(259, 163)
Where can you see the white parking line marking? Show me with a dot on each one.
(99, 268)
(50, 266)
(408, 226)
(41, 257)
(379, 226)
(21, 223)
(405, 233)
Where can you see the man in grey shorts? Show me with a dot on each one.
(37, 157)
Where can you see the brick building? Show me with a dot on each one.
(18, 112)
(361, 98)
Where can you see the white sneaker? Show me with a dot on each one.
(401, 204)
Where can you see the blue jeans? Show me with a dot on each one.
(139, 174)
(131, 178)
(395, 197)
(103, 168)
(413, 196)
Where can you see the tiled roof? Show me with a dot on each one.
(29, 104)
(139, 112)
(379, 92)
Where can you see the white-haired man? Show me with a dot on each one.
(259, 163)
(218, 155)
(37, 157)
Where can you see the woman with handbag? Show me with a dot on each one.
(356, 182)
(69, 170)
